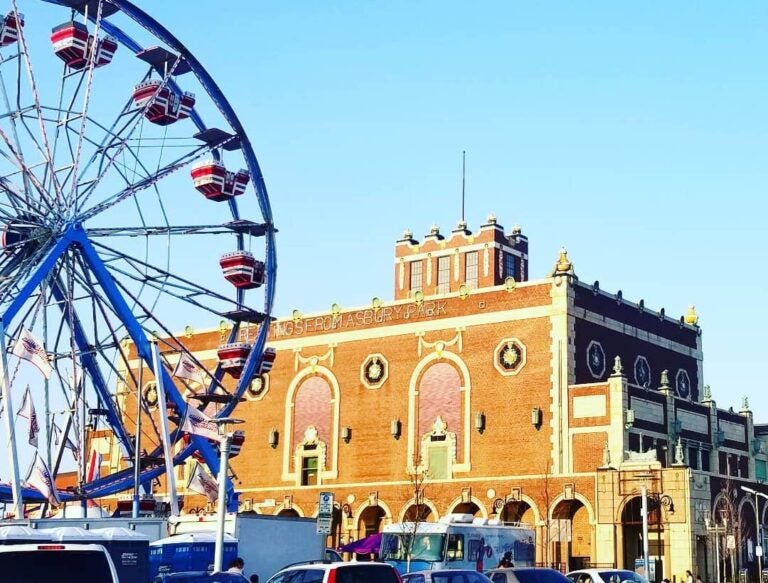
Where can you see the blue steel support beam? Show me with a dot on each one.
(90, 364)
(136, 333)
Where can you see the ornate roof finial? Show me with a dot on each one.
(618, 369)
(745, 403)
(516, 230)
(606, 455)
(563, 265)
(679, 456)
(691, 317)
(461, 225)
(491, 220)
(407, 235)
(434, 230)
(707, 393)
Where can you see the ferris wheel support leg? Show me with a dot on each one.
(18, 503)
(170, 472)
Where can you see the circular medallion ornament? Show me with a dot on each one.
(683, 384)
(374, 371)
(150, 394)
(509, 356)
(596, 359)
(258, 387)
(642, 372)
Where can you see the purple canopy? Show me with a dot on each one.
(369, 544)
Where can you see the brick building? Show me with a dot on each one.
(546, 401)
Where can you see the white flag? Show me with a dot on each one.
(40, 479)
(203, 483)
(187, 369)
(30, 348)
(198, 423)
(68, 443)
(27, 411)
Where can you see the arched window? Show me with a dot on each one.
(312, 429)
(439, 426)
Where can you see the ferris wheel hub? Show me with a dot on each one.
(24, 235)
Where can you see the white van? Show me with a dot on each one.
(57, 563)
(456, 541)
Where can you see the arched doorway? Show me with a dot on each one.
(747, 540)
(418, 513)
(570, 536)
(517, 511)
(289, 512)
(632, 527)
(370, 521)
(466, 508)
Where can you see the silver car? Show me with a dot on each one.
(605, 576)
(526, 575)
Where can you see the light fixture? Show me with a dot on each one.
(273, 438)
(480, 421)
(395, 428)
(536, 417)
(346, 434)
(629, 418)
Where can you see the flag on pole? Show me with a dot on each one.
(187, 369)
(27, 411)
(40, 479)
(203, 483)
(68, 443)
(31, 348)
(198, 423)
(93, 471)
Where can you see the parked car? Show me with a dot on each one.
(605, 576)
(526, 575)
(337, 572)
(200, 577)
(445, 576)
(60, 562)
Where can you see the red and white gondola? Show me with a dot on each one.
(268, 359)
(232, 357)
(213, 180)
(73, 44)
(242, 269)
(163, 105)
(9, 30)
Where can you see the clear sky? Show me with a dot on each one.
(635, 134)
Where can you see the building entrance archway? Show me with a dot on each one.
(632, 527)
(517, 511)
(569, 536)
(370, 521)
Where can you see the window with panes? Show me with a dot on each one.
(470, 269)
(443, 274)
(510, 265)
(416, 276)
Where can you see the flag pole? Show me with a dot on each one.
(169, 470)
(137, 448)
(463, 180)
(10, 418)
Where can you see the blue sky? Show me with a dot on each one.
(634, 134)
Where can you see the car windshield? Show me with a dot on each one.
(62, 566)
(422, 547)
(620, 576)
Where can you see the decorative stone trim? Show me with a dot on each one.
(642, 372)
(258, 387)
(374, 371)
(683, 384)
(596, 359)
(509, 357)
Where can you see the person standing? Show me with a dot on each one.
(237, 565)
(689, 577)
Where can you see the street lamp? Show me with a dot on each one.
(712, 527)
(758, 538)
(221, 515)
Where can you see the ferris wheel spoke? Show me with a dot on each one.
(254, 229)
(142, 184)
(14, 130)
(72, 196)
(35, 95)
(16, 160)
(108, 154)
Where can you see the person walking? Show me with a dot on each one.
(689, 577)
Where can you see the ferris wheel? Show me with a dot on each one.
(131, 204)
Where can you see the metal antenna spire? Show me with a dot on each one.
(463, 180)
